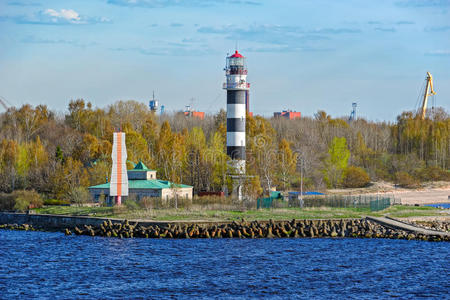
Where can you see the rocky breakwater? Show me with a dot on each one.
(433, 225)
(358, 228)
(25, 227)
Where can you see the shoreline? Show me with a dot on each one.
(368, 227)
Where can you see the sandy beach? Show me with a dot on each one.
(426, 196)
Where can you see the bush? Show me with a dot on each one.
(147, 202)
(25, 200)
(79, 195)
(130, 204)
(7, 202)
(432, 173)
(56, 202)
(355, 177)
(102, 200)
(403, 179)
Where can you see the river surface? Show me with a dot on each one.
(52, 266)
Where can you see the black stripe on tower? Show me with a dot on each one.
(235, 97)
(236, 152)
(235, 125)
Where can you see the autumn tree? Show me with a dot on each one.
(171, 153)
(38, 161)
(355, 177)
(261, 150)
(99, 172)
(137, 148)
(150, 133)
(66, 177)
(8, 165)
(198, 167)
(79, 115)
(286, 163)
(252, 187)
(55, 153)
(336, 162)
(129, 112)
(219, 160)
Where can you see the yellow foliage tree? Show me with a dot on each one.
(286, 163)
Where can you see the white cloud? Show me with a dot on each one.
(55, 17)
(67, 14)
(438, 53)
(179, 3)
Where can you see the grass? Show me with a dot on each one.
(404, 211)
(75, 211)
(198, 214)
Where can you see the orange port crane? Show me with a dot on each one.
(428, 92)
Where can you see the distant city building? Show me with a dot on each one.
(353, 113)
(142, 182)
(154, 105)
(288, 114)
(189, 112)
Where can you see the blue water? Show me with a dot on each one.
(444, 205)
(53, 266)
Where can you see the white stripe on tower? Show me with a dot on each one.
(236, 139)
(235, 110)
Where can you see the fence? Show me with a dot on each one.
(265, 202)
(373, 202)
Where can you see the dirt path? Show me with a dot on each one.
(436, 192)
(427, 196)
(407, 227)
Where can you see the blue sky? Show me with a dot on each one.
(303, 55)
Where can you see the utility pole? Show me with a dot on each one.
(301, 181)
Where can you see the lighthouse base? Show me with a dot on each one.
(237, 167)
(238, 189)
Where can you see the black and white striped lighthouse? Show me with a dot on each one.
(237, 100)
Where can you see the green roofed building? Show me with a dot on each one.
(142, 182)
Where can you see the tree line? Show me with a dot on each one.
(55, 153)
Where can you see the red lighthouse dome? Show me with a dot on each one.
(237, 54)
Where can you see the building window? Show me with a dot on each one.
(187, 196)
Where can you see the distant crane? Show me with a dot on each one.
(3, 103)
(428, 92)
(353, 113)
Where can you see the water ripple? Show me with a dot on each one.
(52, 266)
